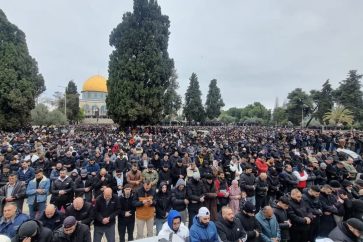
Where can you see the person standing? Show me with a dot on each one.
(280, 211)
(133, 177)
(174, 229)
(14, 191)
(83, 186)
(126, 216)
(210, 193)
(106, 209)
(82, 210)
(37, 192)
(269, 225)
(249, 222)
(163, 205)
(72, 231)
(26, 173)
(300, 215)
(179, 199)
(229, 228)
(144, 201)
(203, 229)
(234, 197)
(62, 190)
(247, 183)
(195, 196)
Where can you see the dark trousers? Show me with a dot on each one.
(193, 210)
(124, 224)
(300, 235)
(260, 202)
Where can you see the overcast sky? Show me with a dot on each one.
(257, 50)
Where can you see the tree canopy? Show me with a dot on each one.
(140, 67)
(193, 108)
(214, 101)
(20, 81)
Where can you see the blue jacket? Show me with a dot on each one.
(31, 190)
(270, 228)
(27, 176)
(201, 233)
(92, 168)
(10, 228)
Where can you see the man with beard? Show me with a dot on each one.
(151, 175)
(37, 192)
(249, 222)
(311, 197)
(230, 228)
(178, 171)
(174, 229)
(83, 186)
(248, 183)
(133, 177)
(44, 164)
(321, 177)
(101, 182)
(62, 190)
(210, 194)
(126, 216)
(222, 190)
(92, 166)
(83, 211)
(165, 176)
(203, 229)
(25, 173)
(179, 199)
(72, 231)
(300, 215)
(280, 211)
(195, 196)
(69, 161)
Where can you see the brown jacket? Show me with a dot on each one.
(132, 179)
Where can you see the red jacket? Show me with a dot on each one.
(261, 166)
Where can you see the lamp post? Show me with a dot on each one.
(65, 100)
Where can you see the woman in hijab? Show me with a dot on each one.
(234, 197)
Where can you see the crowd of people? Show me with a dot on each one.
(193, 183)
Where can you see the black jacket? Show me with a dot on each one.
(54, 222)
(194, 191)
(66, 185)
(44, 234)
(261, 187)
(98, 184)
(142, 193)
(102, 210)
(177, 199)
(230, 231)
(81, 234)
(126, 205)
(247, 184)
(85, 215)
(288, 181)
(165, 177)
(297, 212)
(176, 171)
(281, 216)
(163, 204)
(79, 187)
(250, 224)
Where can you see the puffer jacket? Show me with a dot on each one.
(177, 198)
(247, 184)
(202, 233)
(163, 202)
(230, 231)
(250, 224)
(194, 190)
(81, 234)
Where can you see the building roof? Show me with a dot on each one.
(95, 83)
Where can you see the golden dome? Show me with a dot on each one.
(95, 83)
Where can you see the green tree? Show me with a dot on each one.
(172, 101)
(224, 117)
(339, 115)
(256, 111)
(139, 66)
(41, 116)
(234, 112)
(323, 101)
(299, 102)
(20, 81)
(193, 108)
(214, 101)
(279, 116)
(349, 94)
(72, 96)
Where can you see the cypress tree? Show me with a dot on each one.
(140, 67)
(193, 109)
(214, 101)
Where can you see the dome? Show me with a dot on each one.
(95, 83)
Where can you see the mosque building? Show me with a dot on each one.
(93, 98)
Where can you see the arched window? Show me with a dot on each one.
(86, 109)
(103, 110)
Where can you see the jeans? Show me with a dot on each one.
(108, 230)
(140, 224)
(159, 224)
(36, 215)
(123, 225)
